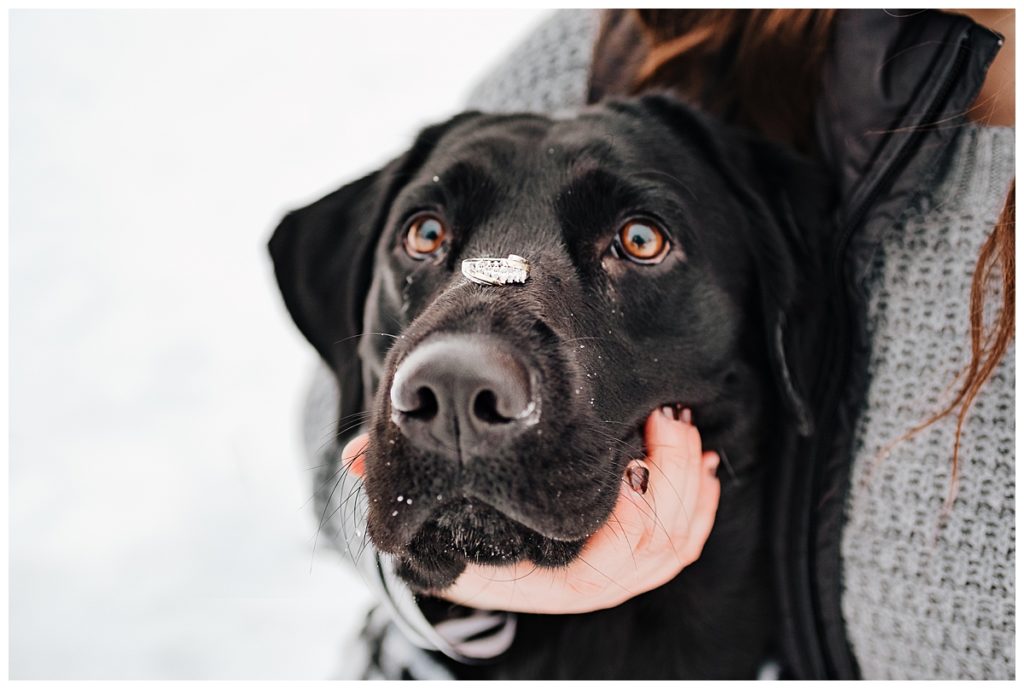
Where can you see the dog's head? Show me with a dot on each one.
(663, 258)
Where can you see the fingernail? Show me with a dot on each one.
(637, 475)
(670, 412)
(686, 416)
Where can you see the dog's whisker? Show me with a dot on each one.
(636, 449)
(515, 578)
(347, 429)
(365, 536)
(320, 482)
(351, 460)
(619, 423)
(352, 337)
(670, 484)
(728, 466)
(316, 536)
(334, 423)
(342, 433)
(584, 561)
(588, 338)
(353, 493)
(622, 530)
(335, 436)
(654, 514)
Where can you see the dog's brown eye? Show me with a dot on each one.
(642, 241)
(425, 237)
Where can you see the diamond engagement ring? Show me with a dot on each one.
(496, 271)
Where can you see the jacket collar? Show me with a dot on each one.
(897, 86)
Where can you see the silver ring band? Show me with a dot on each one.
(496, 271)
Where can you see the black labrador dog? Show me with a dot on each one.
(669, 258)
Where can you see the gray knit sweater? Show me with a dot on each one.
(921, 599)
(924, 599)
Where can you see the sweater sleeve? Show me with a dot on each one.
(547, 72)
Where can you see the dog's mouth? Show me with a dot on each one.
(471, 531)
(535, 504)
(478, 532)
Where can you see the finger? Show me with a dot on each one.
(706, 508)
(353, 456)
(674, 455)
(482, 587)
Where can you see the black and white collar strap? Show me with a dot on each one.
(480, 636)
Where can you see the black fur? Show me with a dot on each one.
(610, 340)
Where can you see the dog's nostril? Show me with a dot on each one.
(485, 408)
(426, 405)
(462, 395)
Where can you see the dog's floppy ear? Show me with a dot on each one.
(790, 198)
(323, 257)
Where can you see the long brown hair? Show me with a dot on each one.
(767, 66)
(757, 68)
(989, 342)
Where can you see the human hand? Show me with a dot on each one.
(662, 519)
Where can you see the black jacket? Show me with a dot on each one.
(896, 86)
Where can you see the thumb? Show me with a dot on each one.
(354, 454)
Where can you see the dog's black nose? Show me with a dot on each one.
(462, 395)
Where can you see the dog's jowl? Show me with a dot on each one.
(663, 252)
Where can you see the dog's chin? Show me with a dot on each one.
(474, 532)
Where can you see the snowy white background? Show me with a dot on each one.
(159, 518)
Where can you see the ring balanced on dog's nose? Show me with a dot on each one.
(496, 271)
